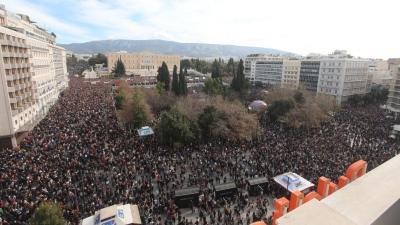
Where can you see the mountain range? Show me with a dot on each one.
(163, 47)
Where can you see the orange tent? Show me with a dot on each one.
(259, 223)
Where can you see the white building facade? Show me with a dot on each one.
(32, 75)
(274, 70)
(341, 77)
(393, 101)
(290, 73)
(337, 75)
(263, 68)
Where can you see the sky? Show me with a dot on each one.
(364, 28)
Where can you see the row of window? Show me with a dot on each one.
(329, 90)
(348, 64)
(290, 77)
(144, 56)
(145, 61)
(329, 83)
(12, 38)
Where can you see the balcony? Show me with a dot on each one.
(11, 77)
(11, 89)
(19, 98)
(13, 100)
(6, 54)
(7, 66)
(16, 111)
(3, 42)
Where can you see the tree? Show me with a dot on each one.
(140, 110)
(216, 71)
(354, 100)
(175, 82)
(239, 81)
(299, 97)
(214, 86)
(53, 34)
(279, 108)
(98, 59)
(160, 87)
(119, 68)
(230, 66)
(369, 98)
(47, 213)
(384, 93)
(182, 83)
(178, 127)
(258, 84)
(209, 118)
(163, 75)
(119, 100)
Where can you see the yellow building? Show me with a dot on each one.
(143, 63)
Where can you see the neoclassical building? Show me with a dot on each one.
(143, 63)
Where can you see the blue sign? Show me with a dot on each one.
(97, 219)
(111, 222)
(121, 213)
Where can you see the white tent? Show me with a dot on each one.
(292, 182)
(145, 131)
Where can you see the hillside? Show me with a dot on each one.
(160, 46)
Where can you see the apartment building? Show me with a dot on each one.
(290, 73)
(143, 63)
(341, 77)
(263, 68)
(32, 75)
(270, 69)
(393, 63)
(393, 101)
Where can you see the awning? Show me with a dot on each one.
(292, 182)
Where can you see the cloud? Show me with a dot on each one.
(292, 25)
(37, 13)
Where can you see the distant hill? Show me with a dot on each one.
(160, 46)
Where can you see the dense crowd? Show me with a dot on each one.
(81, 157)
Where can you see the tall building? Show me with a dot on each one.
(393, 101)
(309, 73)
(378, 69)
(291, 73)
(341, 77)
(393, 63)
(270, 69)
(143, 63)
(32, 75)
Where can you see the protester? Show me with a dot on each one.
(81, 157)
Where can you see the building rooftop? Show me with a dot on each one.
(370, 199)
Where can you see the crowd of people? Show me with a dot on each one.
(82, 158)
